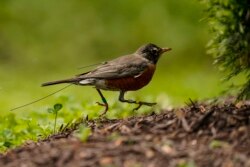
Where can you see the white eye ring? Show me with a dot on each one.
(155, 50)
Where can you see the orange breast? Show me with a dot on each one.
(132, 83)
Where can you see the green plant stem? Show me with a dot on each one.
(55, 123)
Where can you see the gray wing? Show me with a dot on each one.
(125, 66)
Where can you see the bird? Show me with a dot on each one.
(126, 73)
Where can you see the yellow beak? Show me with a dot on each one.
(163, 50)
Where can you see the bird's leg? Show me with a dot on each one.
(140, 103)
(105, 103)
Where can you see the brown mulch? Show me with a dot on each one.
(195, 135)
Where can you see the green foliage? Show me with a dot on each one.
(15, 131)
(230, 23)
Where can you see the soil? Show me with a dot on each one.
(202, 135)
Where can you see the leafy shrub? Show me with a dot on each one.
(230, 23)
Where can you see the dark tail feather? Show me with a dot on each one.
(72, 80)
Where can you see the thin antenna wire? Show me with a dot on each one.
(91, 65)
(41, 98)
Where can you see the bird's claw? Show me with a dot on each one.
(106, 108)
(137, 108)
(143, 103)
(100, 104)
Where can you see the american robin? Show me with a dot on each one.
(125, 73)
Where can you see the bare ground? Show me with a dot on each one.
(196, 135)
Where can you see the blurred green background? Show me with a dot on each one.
(45, 40)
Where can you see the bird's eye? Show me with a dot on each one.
(154, 50)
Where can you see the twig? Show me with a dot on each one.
(185, 125)
(201, 120)
(192, 104)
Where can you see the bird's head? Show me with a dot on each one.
(152, 52)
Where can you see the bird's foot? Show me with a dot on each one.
(141, 103)
(106, 108)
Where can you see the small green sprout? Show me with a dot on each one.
(217, 144)
(55, 110)
(83, 133)
(189, 163)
